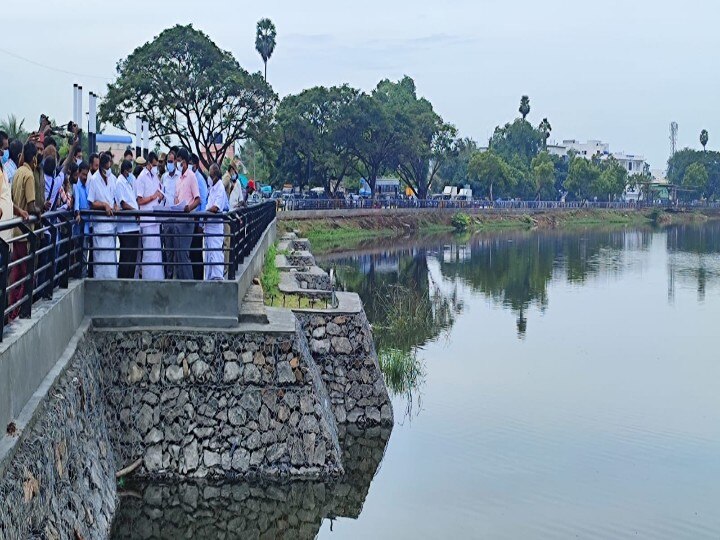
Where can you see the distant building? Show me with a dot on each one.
(585, 149)
(387, 186)
(116, 144)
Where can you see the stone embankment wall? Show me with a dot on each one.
(60, 480)
(343, 348)
(211, 509)
(313, 280)
(217, 404)
(342, 345)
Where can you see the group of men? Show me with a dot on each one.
(175, 244)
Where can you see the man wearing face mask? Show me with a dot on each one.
(94, 162)
(196, 254)
(14, 153)
(4, 147)
(101, 196)
(23, 196)
(150, 196)
(187, 193)
(169, 181)
(217, 203)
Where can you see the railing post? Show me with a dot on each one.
(4, 270)
(51, 258)
(232, 264)
(26, 307)
(66, 250)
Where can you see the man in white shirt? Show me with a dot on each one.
(101, 196)
(128, 228)
(217, 203)
(149, 196)
(167, 228)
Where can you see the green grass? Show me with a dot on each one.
(270, 278)
(324, 238)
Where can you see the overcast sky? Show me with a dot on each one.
(615, 70)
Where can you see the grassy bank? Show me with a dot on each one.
(330, 234)
(270, 280)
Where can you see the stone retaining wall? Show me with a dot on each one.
(313, 280)
(212, 509)
(217, 404)
(343, 348)
(60, 481)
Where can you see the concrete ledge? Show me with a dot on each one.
(348, 303)
(34, 406)
(31, 347)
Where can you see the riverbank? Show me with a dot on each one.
(333, 231)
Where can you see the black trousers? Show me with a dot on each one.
(129, 245)
(196, 254)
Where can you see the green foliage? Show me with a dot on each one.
(14, 128)
(190, 90)
(316, 138)
(517, 139)
(683, 159)
(461, 221)
(490, 174)
(696, 178)
(545, 128)
(270, 278)
(543, 176)
(704, 138)
(402, 370)
(265, 40)
(524, 106)
(454, 169)
(582, 177)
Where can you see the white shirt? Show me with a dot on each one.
(124, 192)
(100, 191)
(236, 195)
(10, 170)
(216, 197)
(169, 182)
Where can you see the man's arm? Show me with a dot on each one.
(193, 205)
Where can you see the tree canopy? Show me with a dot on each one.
(265, 40)
(191, 91)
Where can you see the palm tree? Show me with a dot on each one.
(265, 40)
(546, 128)
(14, 128)
(524, 106)
(704, 138)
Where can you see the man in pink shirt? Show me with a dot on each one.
(187, 192)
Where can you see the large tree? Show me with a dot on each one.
(314, 129)
(524, 108)
(191, 91)
(704, 138)
(265, 36)
(424, 140)
(681, 160)
(518, 138)
(696, 179)
(543, 176)
(545, 128)
(490, 173)
(582, 177)
(611, 181)
(376, 128)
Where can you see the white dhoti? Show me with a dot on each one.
(105, 251)
(152, 267)
(214, 258)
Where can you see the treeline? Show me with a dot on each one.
(195, 94)
(324, 136)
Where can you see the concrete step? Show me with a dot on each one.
(252, 309)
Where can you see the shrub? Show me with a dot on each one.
(461, 221)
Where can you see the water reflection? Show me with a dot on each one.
(205, 509)
(513, 269)
(692, 257)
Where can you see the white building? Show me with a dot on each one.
(631, 162)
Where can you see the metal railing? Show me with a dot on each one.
(45, 253)
(407, 203)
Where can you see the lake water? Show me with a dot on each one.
(553, 385)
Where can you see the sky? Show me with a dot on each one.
(617, 71)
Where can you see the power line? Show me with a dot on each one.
(53, 68)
